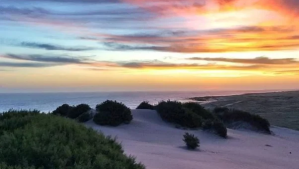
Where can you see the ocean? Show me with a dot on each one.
(47, 102)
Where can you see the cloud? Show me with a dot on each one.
(240, 39)
(93, 15)
(44, 58)
(33, 12)
(25, 65)
(54, 60)
(72, 1)
(180, 7)
(165, 65)
(257, 60)
(288, 71)
(54, 47)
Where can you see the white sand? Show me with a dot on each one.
(159, 145)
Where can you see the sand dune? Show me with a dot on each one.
(159, 145)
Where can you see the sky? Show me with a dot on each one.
(148, 45)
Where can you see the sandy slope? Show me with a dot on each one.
(159, 145)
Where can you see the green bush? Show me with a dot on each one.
(199, 110)
(78, 110)
(84, 117)
(145, 105)
(191, 120)
(63, 110)
(43, 141)
(216, 126)
(220, 129)
(112, 113)
(208, 125)
(230, 116)
(191, 141)
(175, 112)
(17, 113)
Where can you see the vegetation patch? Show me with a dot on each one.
(192, 142)
(85, 117)
(30, 140)
(229, 116)
(63, 110)
(145, 105)
(199, 110)
(175, 112)
(78, 110)
(215, 126)
(112, 113)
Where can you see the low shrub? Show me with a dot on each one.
(230, 116)
(191, 141)
(208, 125)
(199, 110)
(78, 110)
(215, 126)
(145, 105)
(191, 120)
(112, 113)
(85, 117)
(220, 129)
(175, 112)
(44, 141)
(63, 110)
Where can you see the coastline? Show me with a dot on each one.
(280, 108)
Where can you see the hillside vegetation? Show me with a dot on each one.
(30, 140)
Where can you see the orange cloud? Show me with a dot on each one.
(180, 7)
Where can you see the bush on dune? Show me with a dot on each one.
(191, 141)
(41, 141)
(85, 117)
(216, 126)
(145, 105)
(230, 116)
(220, 129)
(63, 110)
(175, 112)
(112, 113)
(78, 110)
(199, 110)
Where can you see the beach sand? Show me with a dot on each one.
(159, 145)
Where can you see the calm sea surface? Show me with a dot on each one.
(49, 101)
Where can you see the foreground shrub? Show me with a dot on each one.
(112, 113)
(174, 112)
(63, 110)
(191, 141)
(17, 113)
(145, 105)
(230, 116)
(41, 141)
(199, 110)
(78, 110)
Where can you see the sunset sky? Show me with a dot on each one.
(148, 45)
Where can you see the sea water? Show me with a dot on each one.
(47, 102)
